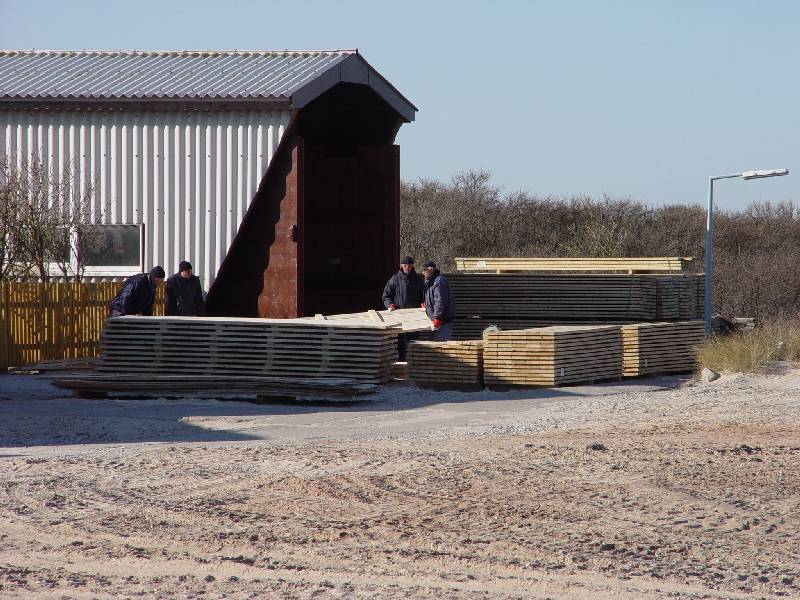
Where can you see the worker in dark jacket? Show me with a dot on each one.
(138, 294)
(184, 296)
(440, 305)
(405, 289)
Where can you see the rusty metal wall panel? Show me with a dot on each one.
(188, 175)
(282, 293)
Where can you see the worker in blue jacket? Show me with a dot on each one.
(405, 288)
(138, 294)
(440, 305)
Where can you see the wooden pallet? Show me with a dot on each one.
(552, 356)
(181, 385)
(446, 364)
(249, 347)
(539, 296)
(669, 264)
(651, 348)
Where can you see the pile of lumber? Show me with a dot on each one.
(225, 347)
(677, 297)
(446, 365)
(552, 356)
(180, 385)
(408, 319)
(473, 328)
(555, 297)
(650, 348)
(662, 264)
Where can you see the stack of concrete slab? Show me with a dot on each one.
(552, 356)
(446, 364)
(151, 346)
(651, 348)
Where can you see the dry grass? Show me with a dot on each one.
(752, 351)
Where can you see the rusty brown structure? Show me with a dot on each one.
(322, 234)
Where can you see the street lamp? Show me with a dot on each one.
(709, 227)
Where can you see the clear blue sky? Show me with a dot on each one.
(628, 98)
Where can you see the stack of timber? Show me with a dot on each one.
(181, 385)
(446, 365)
(661, 264)
(408, 319)
(552, 356)
(650, 348)
(555, 297)
(248, 347)
(677, 297)
(473, 328)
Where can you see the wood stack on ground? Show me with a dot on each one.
(183, 385)
(659, 264)
(554, 297)
(552, 356)
(651, 348)
(409, 319)
(248, 347)
(446, 365)
(676, 297)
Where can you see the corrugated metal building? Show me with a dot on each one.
(182, 142)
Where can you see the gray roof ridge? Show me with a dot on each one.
(185, 52)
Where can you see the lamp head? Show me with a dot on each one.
(764, 173)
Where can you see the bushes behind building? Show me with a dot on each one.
(757, 250)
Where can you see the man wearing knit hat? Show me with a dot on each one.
(138, 294)
(184, 296)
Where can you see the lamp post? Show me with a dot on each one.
(747, 175)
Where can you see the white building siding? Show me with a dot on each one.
(187, 175)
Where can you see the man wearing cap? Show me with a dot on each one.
(138, 294)
(405, 288)
(184, 296)
(440, 305)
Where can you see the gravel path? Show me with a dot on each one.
(652, 489)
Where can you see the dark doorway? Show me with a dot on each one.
(351, 226)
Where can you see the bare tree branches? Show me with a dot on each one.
(756, 261)
(45, 220)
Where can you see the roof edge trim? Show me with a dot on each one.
(354, 69)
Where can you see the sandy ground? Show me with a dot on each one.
(658, 488)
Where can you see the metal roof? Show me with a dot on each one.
(294, 76)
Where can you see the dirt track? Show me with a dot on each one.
(691, 492)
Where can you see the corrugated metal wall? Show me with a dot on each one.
(188, 175)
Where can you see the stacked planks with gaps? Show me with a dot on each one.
(226, 347)
(446, 365)
(410, 320)
(553, 297)
(661, 264)
(653, 348)
(181, 385)
(552, 356)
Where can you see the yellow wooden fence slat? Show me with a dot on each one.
(55, 321)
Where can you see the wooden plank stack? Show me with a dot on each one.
(408, 319)
(472, 328)
(661, 264)
(552, 356)
(250, 347)
(446, 365)
(160, 385)
(651, 348)
(554, 297)
(676, 297)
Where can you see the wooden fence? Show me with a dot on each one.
(54, 321)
